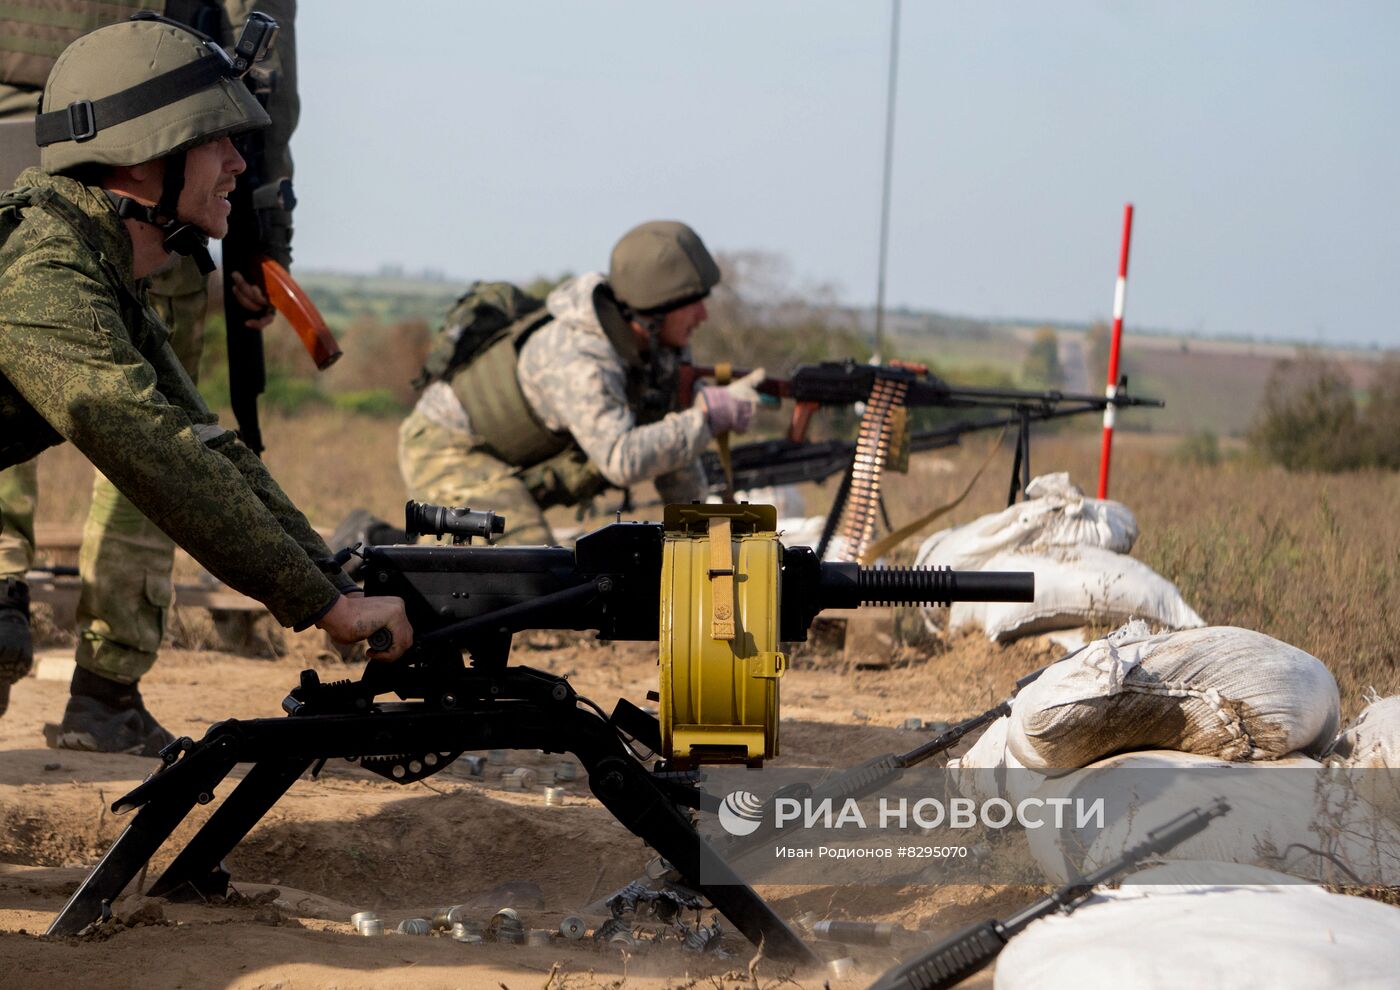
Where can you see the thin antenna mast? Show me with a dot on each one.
(885, 190)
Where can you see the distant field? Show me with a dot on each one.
(1210, 385)
(1214, 385)
(1307, 558)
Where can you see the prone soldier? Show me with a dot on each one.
(136, 165)
(577, 395)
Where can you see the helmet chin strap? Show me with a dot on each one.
(180, 237)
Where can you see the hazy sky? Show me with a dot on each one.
(1258, 141)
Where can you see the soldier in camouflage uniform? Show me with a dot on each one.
(84, 356)
(125, 561)
(579, 396)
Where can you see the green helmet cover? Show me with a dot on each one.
(661, 265)
(120, 56)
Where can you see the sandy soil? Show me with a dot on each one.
(353, 841)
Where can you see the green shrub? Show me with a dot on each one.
(379, 402)
(292, 394)
(1201, 447)
(1307, 420)
(1042, 367)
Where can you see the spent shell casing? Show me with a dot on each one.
(360, 917)
(573, 927)
(554, 795)
(461, 929)
(841, 968)
(538, 936)
(371, 927)
(856, 932)
(414, 926)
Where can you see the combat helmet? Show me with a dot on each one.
(661, 265)
(148, 88)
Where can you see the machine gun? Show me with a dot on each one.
(884, 441)
(711, 585)
(959, 956)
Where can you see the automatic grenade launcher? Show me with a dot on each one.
(712, 585)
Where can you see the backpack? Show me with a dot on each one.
(474, 322)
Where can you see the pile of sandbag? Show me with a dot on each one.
(1078, 548)
(1177, 926)
(1157, 724)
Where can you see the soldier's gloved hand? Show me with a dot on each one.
(354, 617)
(729, 408)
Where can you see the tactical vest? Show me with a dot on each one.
(488, 387)
(24, 434)
(33, 33)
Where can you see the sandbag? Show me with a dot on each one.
(1220, 691)
(1370, 749)
(1055, 516)
(1289, 815)
(787, 499)
(988, 771)
(806, 531)
(1081, 586)
(1373, 740)
(1222, 937)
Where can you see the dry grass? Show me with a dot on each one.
(1310, 559)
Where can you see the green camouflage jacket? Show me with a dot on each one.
(84, 358)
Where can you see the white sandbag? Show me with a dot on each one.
(787, 499)
(1056, 515)
(801, 531)
(1224, 938)
(1220, 691)
(1371, 742)
(1289, 815)
(1083, 585)
(988, 771)
(806, 531)
(1369, 749)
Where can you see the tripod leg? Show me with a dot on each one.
(627, 791)
(123, 860)
(190, 874)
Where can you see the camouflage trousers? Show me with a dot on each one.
(443, 467)
(125, 561)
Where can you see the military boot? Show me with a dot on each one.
(106, 716)
(16, 646)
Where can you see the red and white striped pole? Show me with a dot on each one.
(1120, 292)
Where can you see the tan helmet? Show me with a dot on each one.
(139, 90)
(661, 265)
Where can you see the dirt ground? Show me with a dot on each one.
(353, 841)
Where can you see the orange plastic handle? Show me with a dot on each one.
(292, 302)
